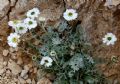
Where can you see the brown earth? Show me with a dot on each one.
(95, 17)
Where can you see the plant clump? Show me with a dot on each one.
(63, 50)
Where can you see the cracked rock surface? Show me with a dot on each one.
(4, 8)
(15, 66)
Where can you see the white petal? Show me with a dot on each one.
(36, 13)
(30, 26)
(24, 30)
(10, 38)
(48, 64)
(42, 62)
(69, 18)
(112, 41)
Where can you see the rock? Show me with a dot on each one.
(15, 79)
(4, 74)
(29, 81)
(16, 69)
(4, 7)
(20, 8)
(12, 2)
(18, 82)
(19, 54)
(23, 73)
(110, 72)
(26, 67)
(13, 56)
(16, 49)
(11, 49)
(19, 61)
(31, 70)
(35, 70)
(5, 52)
(112, 2)
(25, 77)
(40, 73)
(77, 3)
(115, 81)
(5, 63)
(5, 29)
(1, 63)
(1, 66)
(33, 81)
(2, 71)
(8, 72)
(50, 9)
(22, 81)
(44, 81)
(30, 65)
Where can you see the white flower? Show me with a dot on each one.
(109, 39)
(70, 14)
(42, 19)
(46, 61)
(21, 28)
(13, 39)
(13, 23)
(30, 23)
(33, 13)
(53, 53)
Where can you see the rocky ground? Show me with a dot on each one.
(17, 68)
(97, 19)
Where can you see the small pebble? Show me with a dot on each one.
(24, 73)
(25, 77)
(11, 49)
(5, 52)
(20, 61)
(26, 67)
(29, 81)
(35, 70)
(5, 63)
(22, 81)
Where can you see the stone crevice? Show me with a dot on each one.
(11, 7)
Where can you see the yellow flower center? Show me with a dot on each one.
(14, 40)
(30, 22)
(70, 14)
(21, 28)
(15, 21)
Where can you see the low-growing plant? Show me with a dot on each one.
(69, 55)
(63, 50)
